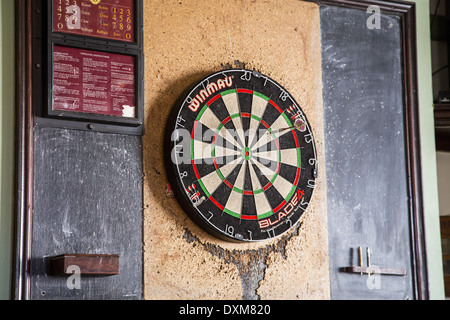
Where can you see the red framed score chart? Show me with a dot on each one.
(89, 66)
(93, 82)
(107, 19)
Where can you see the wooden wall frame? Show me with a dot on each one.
(25, 121)
(24, 154)
(445, 236)
(442, 127)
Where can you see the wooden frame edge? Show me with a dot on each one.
(413, 151)
(24, 154)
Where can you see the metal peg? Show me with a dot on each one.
(360, 257)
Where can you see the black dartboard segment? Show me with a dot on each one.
(242, 159)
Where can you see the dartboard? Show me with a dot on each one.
(241, 156)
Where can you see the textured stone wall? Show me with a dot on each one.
(186, 40)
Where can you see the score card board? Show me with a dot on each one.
(93, 82)
(106, 19)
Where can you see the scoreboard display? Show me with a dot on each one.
(107, 19)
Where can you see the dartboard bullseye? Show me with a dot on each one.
(241, 156)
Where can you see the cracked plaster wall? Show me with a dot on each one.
(186, 40)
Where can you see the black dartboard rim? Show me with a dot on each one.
(225, 176)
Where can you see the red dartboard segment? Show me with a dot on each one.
(265, 124)
(195, 170)
(244, 91)
(276, 106)
(249, 217)
(213, 100)
(297, 176)
(224, 122)
(279, 207)
(267, 186)
(228, 184)
(297, 145)
(193, 130)
(216, 203)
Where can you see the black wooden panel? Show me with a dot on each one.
(367, 186)
(88, 200)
